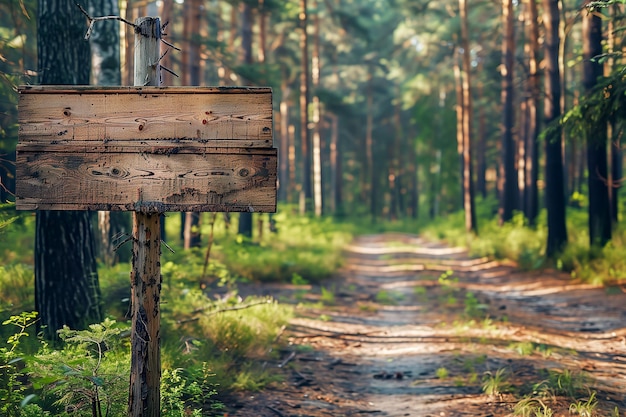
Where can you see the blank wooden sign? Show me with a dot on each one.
(149, 149)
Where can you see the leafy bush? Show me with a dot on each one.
(11, 363)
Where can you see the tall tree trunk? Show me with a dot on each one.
(262, 54)
(317, 143)
(335, 165)
(166, 15)
(468, 180)
(531, 199)
(481, 145)
(460, 114)
(597, 163)
(305, 137)
(192, 237)
(616, 175)
(245, 219)
(555, 193)
(105, 70)
(67, 291)
(283, 190)
(615, 150)
(369, 144)
(508, 173)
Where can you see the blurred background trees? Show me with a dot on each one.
(389, 109)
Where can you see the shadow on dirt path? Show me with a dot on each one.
(412, 328)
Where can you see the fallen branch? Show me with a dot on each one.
(278, 413)
(222, 310)
(286, 361)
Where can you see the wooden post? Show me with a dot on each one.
(145, 374)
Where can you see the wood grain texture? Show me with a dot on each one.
(146, 179)
(217, 116)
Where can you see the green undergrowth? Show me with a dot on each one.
(213, 340)
(525, 245)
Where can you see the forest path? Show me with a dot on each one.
(411, 328)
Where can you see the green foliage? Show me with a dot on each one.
(532, 407)
(605, 103)
(525, 245)
(564, 382)
(89, 373)
(175, 389)
(528, 348)
(442, 373)
(473, 308)
(328, 296)
(308, 247)
(389, 297)
(584, 408)
(11, 364)
(496, 383)
(16, 286)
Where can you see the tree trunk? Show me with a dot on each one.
(597, 163)
(614, 134)
(166, 15)
(508, 173)
(369, 145)
(245, 219)
(105, 70)
(481, 145)
(468, 181)
(305, 192)
(335, 165)
(192, 71)
(555, 193)
(317, 143)
(262, 54)
(531, 199)
(283, 172)
(67, 291)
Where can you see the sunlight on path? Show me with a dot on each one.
(411, 328)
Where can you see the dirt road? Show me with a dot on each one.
(412, 328)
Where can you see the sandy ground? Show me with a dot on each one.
(411, 328)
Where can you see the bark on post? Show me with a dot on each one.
(145, 374)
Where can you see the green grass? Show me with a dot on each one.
(496, 383)
(442, 373)
(516, 241)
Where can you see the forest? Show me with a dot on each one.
(448, 236)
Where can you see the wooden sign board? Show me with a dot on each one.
(147, 149)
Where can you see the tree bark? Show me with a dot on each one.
(555, 192)
(245, 219)
(305, 137)
(597, 163)
(369, 144)
(192, 238)
(468, 181)
(508, 173)
(67, 290)
(105, 70)
(317, 143)
(283, 169)
(531, 199)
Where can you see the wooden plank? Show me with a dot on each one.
(240, 117)
(163, 147)
(217, 180)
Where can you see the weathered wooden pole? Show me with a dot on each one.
(145, 375)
